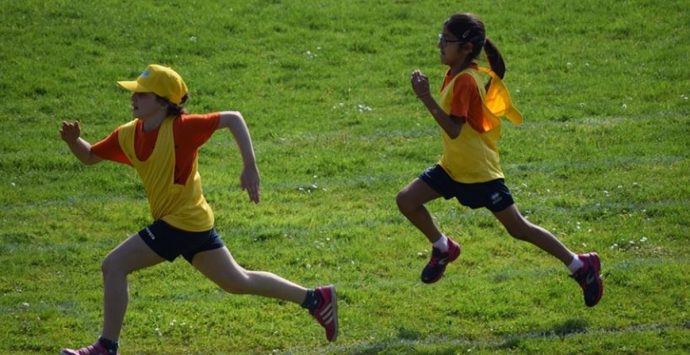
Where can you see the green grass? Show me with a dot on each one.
(602, 161)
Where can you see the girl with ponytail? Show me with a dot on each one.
(472, 101)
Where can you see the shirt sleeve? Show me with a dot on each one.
(467, 103)
(109, 149)
(197, 129)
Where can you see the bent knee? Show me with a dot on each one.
(240, 283)
(523, 231)
(111, 265)
(404, 201)
(237, 287)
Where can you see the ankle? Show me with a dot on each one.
(575, 264)
(110, 345)
(312, 300)
(441, 244)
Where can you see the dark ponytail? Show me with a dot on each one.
(470, 29)
(495, 58)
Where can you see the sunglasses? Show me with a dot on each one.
(443, 41)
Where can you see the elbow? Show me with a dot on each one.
(454, 132)
(231, 115)
(237, 115)
(230, 118)
(91, 159)
(454, 127)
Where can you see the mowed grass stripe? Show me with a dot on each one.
(443, 344)
(59, 205)
(422, 125)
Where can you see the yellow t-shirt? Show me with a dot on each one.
(473, 157)
(182, 206)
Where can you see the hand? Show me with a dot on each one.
(249, 181)
(420, 84)
(70, 132)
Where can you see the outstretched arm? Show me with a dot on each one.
(450, 124)
(70, 133)
(249, 180)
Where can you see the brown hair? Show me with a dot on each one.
(470, 29)
(172, 109)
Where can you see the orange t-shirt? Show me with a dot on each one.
(189, 133)
(466, 102)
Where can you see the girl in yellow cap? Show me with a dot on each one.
(161, 144)
(472, 100)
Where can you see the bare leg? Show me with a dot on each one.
(411, 200)
(520, 228)
(131, 255)
(220, 267)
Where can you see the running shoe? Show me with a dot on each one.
(437, 265)
(96, 349)
(327, 311)
(589, 278)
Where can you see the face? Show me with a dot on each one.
(145, 105)
(453, 51)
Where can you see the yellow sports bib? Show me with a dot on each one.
(182, 206)
(472, 157)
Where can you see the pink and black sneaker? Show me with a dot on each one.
(589, 278)
(437, 265)
(96, 349)
(327, 311)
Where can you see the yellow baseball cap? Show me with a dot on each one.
(160, 80)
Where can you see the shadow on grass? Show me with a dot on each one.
(410, 341)
(569, 327)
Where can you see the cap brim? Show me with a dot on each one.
(133, 86)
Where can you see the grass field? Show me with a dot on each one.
(603, 161)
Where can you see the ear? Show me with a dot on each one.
(466, 47)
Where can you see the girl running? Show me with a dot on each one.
(472, 100)
(161, 144)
